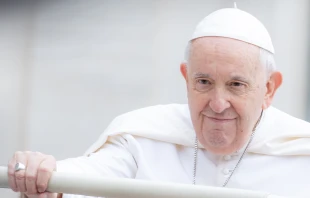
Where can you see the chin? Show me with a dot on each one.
(221, 150)
(223, 147)
(218, 142)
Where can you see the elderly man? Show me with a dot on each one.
(228, 135)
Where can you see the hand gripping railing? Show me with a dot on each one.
(111, 187)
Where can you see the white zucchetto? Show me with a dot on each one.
(236, 24)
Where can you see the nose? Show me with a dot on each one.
(219, 102)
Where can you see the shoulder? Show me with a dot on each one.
(171, 117)
(168, 123)
(167, 109)
(286, 121)
(168, 112)
(281, 134)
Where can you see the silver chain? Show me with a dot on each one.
(195, 161)
(240, 159)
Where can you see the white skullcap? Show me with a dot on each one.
(236, 24)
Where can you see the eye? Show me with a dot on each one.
(237, 84)
(202, 85)
(203, 81)
(238, 87)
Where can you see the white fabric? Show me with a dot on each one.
(277, 134)
(237, 24)
(156, 143)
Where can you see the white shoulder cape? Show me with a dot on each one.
(277, 134)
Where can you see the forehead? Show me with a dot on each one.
(223, 53)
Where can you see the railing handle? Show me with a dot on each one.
(91, 185)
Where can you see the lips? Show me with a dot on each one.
(221, 120)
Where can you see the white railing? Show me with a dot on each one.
(121, 188)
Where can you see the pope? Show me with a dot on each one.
(228, 135)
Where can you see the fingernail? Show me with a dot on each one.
(40, 190)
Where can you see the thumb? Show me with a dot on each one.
(40, 195)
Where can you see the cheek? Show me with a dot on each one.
(248, 110)
(245, 110)
(197, 102)
(256, 103)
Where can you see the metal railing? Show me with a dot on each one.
(90, 185)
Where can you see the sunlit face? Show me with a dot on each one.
(226, 88)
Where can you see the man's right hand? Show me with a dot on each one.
(34, 179)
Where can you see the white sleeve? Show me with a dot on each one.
(113, 160)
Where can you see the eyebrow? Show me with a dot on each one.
(239, 78)
(233, 77)
(201, 75)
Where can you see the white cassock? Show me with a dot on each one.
(157, 143)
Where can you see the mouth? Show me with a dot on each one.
(221, 120)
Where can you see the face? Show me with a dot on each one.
(227, 88)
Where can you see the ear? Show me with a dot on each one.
(272, 85)
(183, 69)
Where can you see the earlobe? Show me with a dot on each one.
(272, 86)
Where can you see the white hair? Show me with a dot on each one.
(266, 58)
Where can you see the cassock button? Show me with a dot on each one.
(227, 157)
(236, 153)
(226, 171)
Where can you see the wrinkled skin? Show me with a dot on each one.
(32, 181)
(227, 88)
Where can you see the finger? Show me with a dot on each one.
(46, 195)
(43, 195)
(34, 161)
(11, 174)
(45, 172)
(20, 175)
(51, 195)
